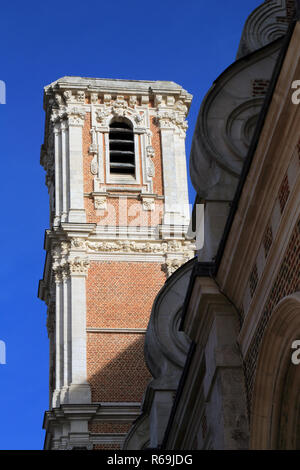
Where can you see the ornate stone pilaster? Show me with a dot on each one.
(70, 364)
(76, 116)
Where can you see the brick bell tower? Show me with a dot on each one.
(114, 156)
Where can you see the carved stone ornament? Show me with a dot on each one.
(76, 116)
(184, 247)
(94, 165)
(62, 265)
(94, 98)
(118, 108)
(168, 119)
(148, 203)
(102, 115)
(60, 270)
(68, 96)
(172, 265)
(80, 96)
(149, 162)
(100, 202)
(79, 265)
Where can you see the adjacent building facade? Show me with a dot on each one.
(227, 378)
(114, 156)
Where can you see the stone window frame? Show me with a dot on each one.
(124, 179)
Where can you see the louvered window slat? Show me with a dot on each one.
(121, 148)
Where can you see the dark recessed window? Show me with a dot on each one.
(121, 148)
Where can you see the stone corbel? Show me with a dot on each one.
(144, 100)
(133, 101)
(107, 98)
(170, 101)
(158, 101)
(94, 98)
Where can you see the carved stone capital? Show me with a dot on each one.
(169, 119)
(60, 270)
(79, 265)
(76, 116)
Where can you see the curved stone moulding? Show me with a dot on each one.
(165, 346)
(262, 26)
(226, 123)
(166, 349)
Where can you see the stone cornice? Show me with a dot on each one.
(105, 86)
(70, 251)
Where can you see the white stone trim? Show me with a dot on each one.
(77, 211)
(119, 257)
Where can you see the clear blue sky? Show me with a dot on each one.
(188, 42)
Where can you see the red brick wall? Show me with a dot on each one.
(260, 87)
(121, 294)
(116, 368)
(106, 447)
(108, 427)
(287, 282)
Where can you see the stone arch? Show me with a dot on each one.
(275, 414)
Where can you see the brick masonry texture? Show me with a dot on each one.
(116, 368)
(121, 294)
(259, 87)
(287, 282)
(106, 447)
(109, 427)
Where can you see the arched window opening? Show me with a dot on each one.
(121, 148)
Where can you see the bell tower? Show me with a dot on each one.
(114, 156)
